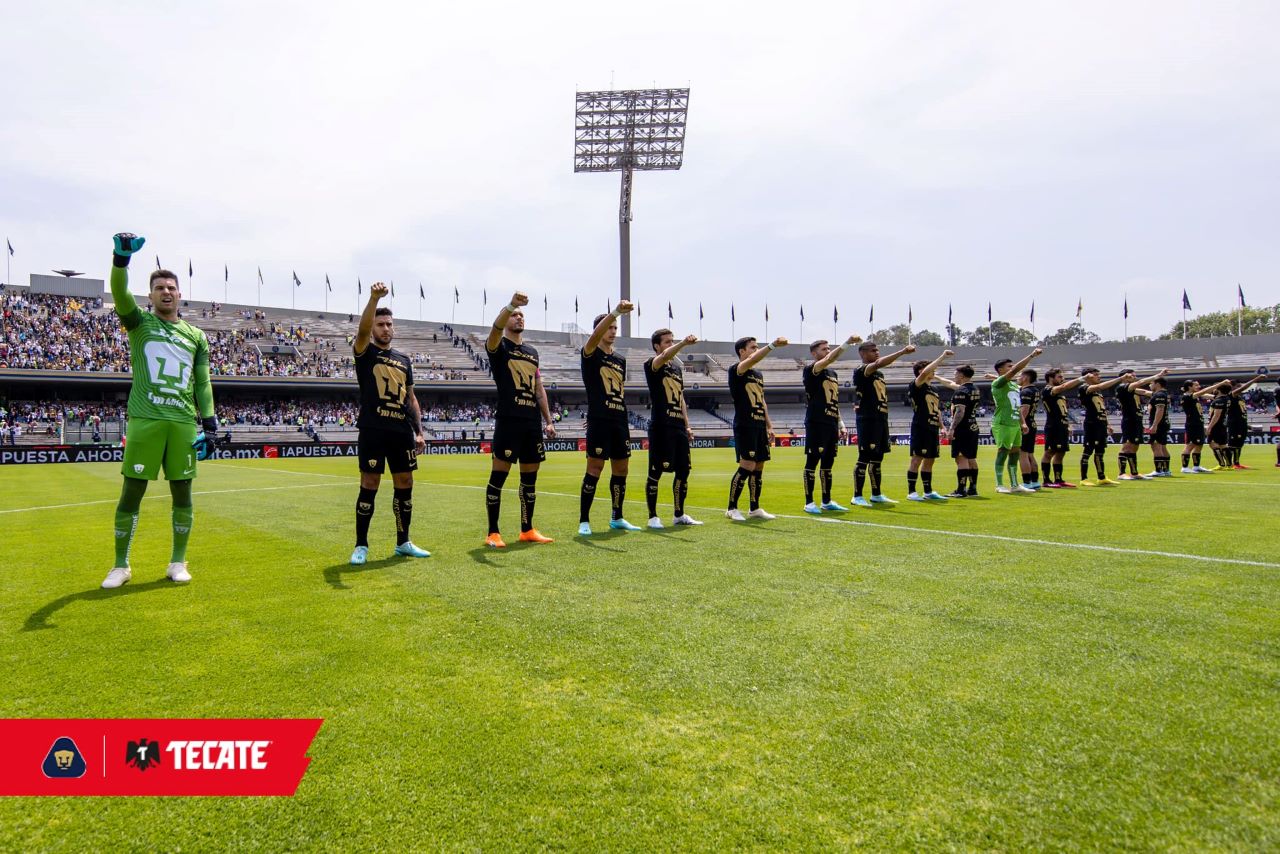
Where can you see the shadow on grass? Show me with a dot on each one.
(594, 541)
(333, 574)
(40, 619)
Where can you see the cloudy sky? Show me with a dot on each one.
(842, 154)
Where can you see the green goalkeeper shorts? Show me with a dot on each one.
(151, 444)
(1006, 436)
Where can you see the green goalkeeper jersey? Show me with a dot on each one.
(164, 358)
(1008, 400)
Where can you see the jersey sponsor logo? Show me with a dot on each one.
(218, 755)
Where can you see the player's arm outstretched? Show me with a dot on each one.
(518, 300)
(1107, 385)
(926, 374)
(1016, 368)
(1211, 391)
(1137, 385)
(376, 292)
(1236, 391)
(1064, 387)
(671, 352)
(886, 361)
(758, 356)
(126, 306)
(834, 355)
(602, 328)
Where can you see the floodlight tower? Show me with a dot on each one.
(626, 131)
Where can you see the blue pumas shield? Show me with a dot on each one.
(64, 760)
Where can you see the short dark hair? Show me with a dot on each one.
(919, 366)
(657, 335)
(1187, 384)
(1160, 381)
(965, 371)
(161, 274)
(382, 311)
(741, 343)
(599, 317)
(1030, 374)
(1000, 364)
(1051, 373)
(867, 345)
(815, 345)
(1084, 371)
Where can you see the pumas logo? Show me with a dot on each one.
(64, 760)
(372, 463)
(138, 468)
(599, 451)
(751, 453)
(143, 753)
(666, 465)
(506, 452)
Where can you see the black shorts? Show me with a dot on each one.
(669, 449)
(822, 439)
(1131, 431)
(924, 441)
(608, 440)
(518, 440)
(1218, 435)
(1057, 438)
(383, 449)
(1193, 433)
(1029, 440)
(873, 439)
(1237, 436)
(1160, 433)
(965, 444)
(751, 442)
(1095, 437)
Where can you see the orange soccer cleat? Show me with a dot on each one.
(494, 541)
(533, 536)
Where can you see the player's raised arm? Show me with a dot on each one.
(1238, 390)
(126, 306)
(834, 355)
(1145, 381)
(602, 328)
(1064, 387)
(1111, 383)
(758, 356)
(886, 361)
(1016, 368)
(1209, 392)
(518, 300)
(376, 292)
(927, 372)
(671, 352)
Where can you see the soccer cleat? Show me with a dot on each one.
(914, 496)
(1188, 470)
(882, 499)
(584, 529)
(1127, 476)
(1087, 483)
(408, 549)
(1239, 467)
(1106, 481)
(859, 501)
(686, 519)
(493, 541)
(655, 523)
(1062, 484)
(1004, 490)
(177, 571)
(116, 577)
(933, 496)
(622, 525)
(1023, 489)
(1147, 476)
(735, 515)
(959, 493)
(1053, 485)
(761, 513)
(813, 509)
(359, 555)
(834, 507)
(533, 535)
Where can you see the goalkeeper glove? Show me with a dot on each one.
(207, 439)
(125, 245)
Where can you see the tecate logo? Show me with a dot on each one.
(218, 755)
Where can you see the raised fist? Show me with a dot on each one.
(519, 299)
(625, 306)
(948, 353)
(690, 339)
(1037, 352)
(779, 342)
(853, 339)
(910, 348)
(378, 290)
(126, 244)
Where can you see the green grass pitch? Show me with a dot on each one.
(970, 676)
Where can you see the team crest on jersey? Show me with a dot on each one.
(138, 468)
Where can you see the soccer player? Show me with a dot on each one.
(963, 433)
(604, 374)
(872, 419)
(1219, 439)
(1057, 430)
(1238, 420)
(1006, 426)
(824, 429)
(669, 430)
(1129, 393)
(1158, 427)
(169, 360)
(1028, 403)
(518, 423)
(1096, 429)
(926, 419)
(1277, 417)
(390, 425)
(752, 429)
(1193, 428)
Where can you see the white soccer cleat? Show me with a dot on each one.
(813, 509)
(761, 513)
(686, 519)
(1023, 489)
(178, 572)
(1188, 470)
(1201, 470)
(655, 523)
(734, 515)
(915, 496)
(1004, 490)
(116, 578)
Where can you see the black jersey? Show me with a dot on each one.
(1222, 403)
(1029, 396)
(924, 405)
(1055, 407)
(968, 397)
(1191, 408)
(747, 391)
(604, 375)
(1159, 397)
(1095, 407)
(386, 381)
(515, 373)
(1238, 411)
(1130, 402)
(822, 394)
(873, 396)
(666, 393)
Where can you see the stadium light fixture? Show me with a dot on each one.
(629, 130)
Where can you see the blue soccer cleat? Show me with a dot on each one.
(881, 499)
(813, 509)
(360, 556)
(834, 507)
(622, 525)
(408, 549)
(859, 501)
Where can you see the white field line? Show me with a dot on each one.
(159, 495)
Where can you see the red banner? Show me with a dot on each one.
(154, 756)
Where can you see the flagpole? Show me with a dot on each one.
(1184, 321)
(1240, 314)
(1126, 318)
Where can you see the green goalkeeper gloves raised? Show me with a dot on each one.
(125, 245)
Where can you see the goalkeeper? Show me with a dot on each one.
(169, 359)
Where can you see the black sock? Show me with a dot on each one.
(1217, 455)
(1186, 460)
(617, 493)
(973, 480)
(873, 471)
(364, 515)
(1100, 463)
(528, 498)
(402, 509)
(1045, 468)
(680, 491)
(1195, 458)
(739, 480)
(493, 497)
(824, 477)
(810, 477)
(589, 482)
(911, 480)
(1084, 466)
(651, 490)
(962, 477)
(754, 486)
(926, 480)
(859, 478)
(1057, 472)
